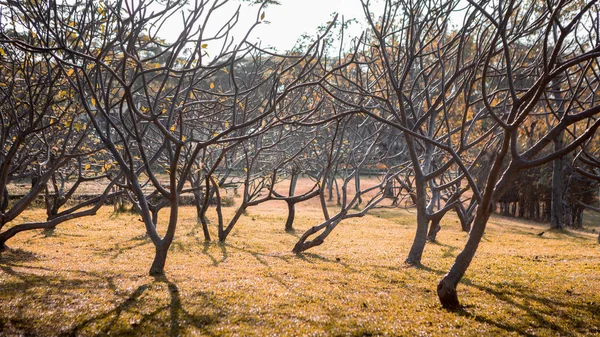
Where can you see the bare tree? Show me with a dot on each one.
(43, 141)
(513, 106)
(154, 104)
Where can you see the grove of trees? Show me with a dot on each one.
(452, 105)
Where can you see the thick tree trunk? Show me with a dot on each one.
(416, 250)
(289, 224)
(160, 258)
(3, 245)
(446, 289)
(4, 202)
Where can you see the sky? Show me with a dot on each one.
(294, 17)
(284, 24)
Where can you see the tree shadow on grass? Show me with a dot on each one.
(179, 316)
(539, 307)
(207, 252)
(548, 309)
(9, 256)
(141, 312)
(115, 321)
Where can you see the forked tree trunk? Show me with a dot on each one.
(464, 216)
(160, 258)
(224, 232)
(446, 288)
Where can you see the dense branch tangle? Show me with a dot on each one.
(445, 116)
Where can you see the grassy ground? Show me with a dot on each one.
(89, 277)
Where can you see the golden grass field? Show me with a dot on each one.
(89, 278)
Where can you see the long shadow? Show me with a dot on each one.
(178, 314)
(122, 249)
(110, 321)
(206, 251)
(552, 307)
(112, 315)
(10, 255)
(539, 316)
(500, 325)
(572, 234)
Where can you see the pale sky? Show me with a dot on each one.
(286, 22)
(295, 17)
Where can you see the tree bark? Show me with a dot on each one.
(416, 250)
(357, 185)
(160, 258)
(434, 228)
(558, 188)
(330, 180)
(289, 224)
(446, 289)
(558, 184)
(223, 233)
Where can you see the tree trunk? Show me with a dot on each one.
(416, 250)
(446, 289)
(155, 217)
(198, 202)
(158, 265)
(200, 214)
(223, 233)
(558, 184)
(330, 188)
(337, 192)
(3, 245)
(289, 224)
(434, 228)
(205, 228)
(357, 186)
